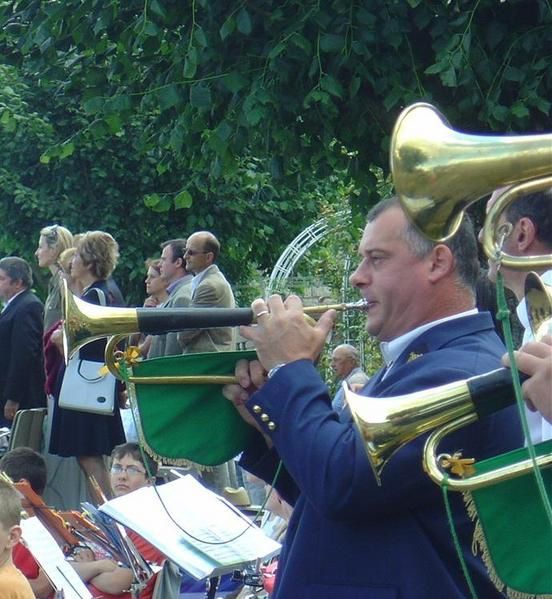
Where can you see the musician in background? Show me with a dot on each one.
(23, 464)
(104, 577)
(178, 284)
(349, 537)
(535, 360)
(531, 219)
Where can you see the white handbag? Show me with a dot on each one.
(85, 389)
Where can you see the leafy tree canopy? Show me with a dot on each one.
(229, 114)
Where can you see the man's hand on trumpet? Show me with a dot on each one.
(280, 336)
(535, 360)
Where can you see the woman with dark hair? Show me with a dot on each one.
(90, 437)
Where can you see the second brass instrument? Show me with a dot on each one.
(439, 172)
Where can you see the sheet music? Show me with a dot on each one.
(199, 513)
(49, 556)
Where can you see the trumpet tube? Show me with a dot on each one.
(438, 172)
(432, 462)
(387, 423)
(84, 322)
(492, 229)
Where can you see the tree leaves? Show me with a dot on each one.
(238, 104)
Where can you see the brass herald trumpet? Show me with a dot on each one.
(439, 172)
(538, 298)
(84, 322)
(388, 423)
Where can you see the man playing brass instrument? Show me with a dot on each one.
(530, 218)
(349, 537)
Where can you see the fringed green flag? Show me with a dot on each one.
(188, 423)
(513, 531)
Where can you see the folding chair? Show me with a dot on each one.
(27, 429)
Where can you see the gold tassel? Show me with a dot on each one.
(470, 505)
(517, 595)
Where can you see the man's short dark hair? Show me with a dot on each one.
(24, 462)
(134, 451)
(17, 269)
(537, 207)
(178, 249)
(463, 244)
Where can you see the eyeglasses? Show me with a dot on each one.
(130, 470)
(189, 252)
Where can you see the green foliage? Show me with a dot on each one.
(215, 80)
(156, 118)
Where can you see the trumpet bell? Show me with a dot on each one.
(538, 299)
(438, 172)
(386, 424)
(84, 322)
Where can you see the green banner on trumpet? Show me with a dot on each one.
(512, 530)
(187, 423)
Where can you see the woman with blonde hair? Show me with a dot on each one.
(86, 436)
(52, 241)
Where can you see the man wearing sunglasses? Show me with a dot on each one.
(210, 289)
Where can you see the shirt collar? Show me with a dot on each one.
(172, 286)
(12, 298)
(391, 350)
(199, 277)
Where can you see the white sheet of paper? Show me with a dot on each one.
(187, 510)
(49, 556)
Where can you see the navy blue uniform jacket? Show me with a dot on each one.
(349, 538)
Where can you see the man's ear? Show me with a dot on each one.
(441, 263)
(524, 234)
(14, 535)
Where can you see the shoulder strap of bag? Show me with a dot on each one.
(101, 296)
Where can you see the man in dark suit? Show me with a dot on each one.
(21, 364)
(349, 537)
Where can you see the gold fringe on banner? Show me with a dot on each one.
(479, 546)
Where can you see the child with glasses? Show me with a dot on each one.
(129, 471)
